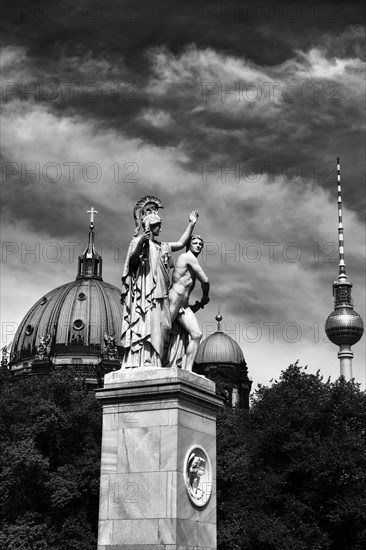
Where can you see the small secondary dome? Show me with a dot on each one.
(219, 348)
(221, 359)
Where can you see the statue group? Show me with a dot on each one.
(159, 327)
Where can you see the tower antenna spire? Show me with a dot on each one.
(342, 266)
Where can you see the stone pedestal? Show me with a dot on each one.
(155, 422)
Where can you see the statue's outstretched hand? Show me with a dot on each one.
(193, 216)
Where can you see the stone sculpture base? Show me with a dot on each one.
(151, 419)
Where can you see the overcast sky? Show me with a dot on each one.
(236, 109)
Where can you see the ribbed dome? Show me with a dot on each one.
(75, 314)
(219, 348)
(344, 326)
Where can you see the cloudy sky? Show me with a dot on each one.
(236, 109)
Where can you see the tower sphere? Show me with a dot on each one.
(344, 326)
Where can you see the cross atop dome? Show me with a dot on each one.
(92, 212)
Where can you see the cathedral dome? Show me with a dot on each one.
(76, 315)
(344, 326)
(219, 348)
(221, 359)
(69, 324)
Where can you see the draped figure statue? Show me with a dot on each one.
(146, 322)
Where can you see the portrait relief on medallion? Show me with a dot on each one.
(198, 476)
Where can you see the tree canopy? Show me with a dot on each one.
(291, 470)
(50, 435)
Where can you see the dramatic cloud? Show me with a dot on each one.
(246, 135)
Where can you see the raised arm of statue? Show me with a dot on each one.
(182, 242)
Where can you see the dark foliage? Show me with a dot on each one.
(50, 434)
(292, 471)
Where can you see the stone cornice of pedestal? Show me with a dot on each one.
(147, 384)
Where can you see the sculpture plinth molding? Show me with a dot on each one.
(158, 470)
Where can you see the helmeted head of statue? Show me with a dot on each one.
(150, 220)
(143, 208)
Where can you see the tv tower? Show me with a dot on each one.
(344, 327)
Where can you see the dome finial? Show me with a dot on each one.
(92, 212)
(218, 319)
(90, 262)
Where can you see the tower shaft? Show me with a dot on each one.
(345, 356)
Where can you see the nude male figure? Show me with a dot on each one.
(186, 271)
